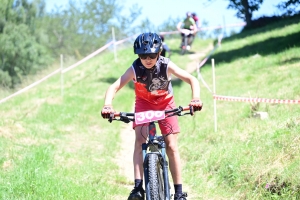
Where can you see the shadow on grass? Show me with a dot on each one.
(291, 61)
(270, 46)
(278, 23)
(109, 80)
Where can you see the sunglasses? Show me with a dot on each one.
(150, 55)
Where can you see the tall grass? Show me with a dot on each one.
(59, 147)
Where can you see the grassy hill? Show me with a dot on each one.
(59, 147)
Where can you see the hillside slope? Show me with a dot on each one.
(58, 147)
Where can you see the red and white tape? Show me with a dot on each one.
(260, 100)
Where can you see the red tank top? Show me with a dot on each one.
(152, 85)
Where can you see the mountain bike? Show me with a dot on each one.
(187, 40)
(155, 164)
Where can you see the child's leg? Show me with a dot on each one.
(174, 158)
(140, 138)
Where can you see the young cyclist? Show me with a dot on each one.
(196, 19)
(151, 68)
(189, 24)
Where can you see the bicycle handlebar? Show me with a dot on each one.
(128, 117)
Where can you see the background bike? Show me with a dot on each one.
(188, 37)
(155, 165)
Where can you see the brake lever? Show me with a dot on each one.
(111, 116)
(191, 110)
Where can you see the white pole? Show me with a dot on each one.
(114, 39)
(61, 76)
(214, 92)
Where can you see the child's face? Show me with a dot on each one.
(149, 60)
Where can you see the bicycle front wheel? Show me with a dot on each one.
(155, 183)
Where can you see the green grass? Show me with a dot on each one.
(54, 147)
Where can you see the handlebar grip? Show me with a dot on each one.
(186, 108)
(119, 114)
(116, 114)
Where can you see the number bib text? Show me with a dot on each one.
(149, 116)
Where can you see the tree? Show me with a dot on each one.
(291, 7)
(169, 25)
(244, 8)
(82, 28)
(20, 53)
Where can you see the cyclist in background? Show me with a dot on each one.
(165, 48)
(148, 69)
(196, 19)
(187, 23)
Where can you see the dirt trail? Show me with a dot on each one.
(124, 159)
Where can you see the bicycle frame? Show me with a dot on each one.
(154, 148)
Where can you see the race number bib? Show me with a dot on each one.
(148, 116)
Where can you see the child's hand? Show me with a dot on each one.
(106, 111)
(196, 103)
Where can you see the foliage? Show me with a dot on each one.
(83, 28)
(290, 7)
(169, 24)
(245, 8)
(5, 79)
(21, 54)
(76, 31)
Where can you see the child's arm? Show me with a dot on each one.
(117, 85)
(179, 26)
(113, 89)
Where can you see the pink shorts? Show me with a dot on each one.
(167, 125)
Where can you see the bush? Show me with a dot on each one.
(5, 79)
(21, 54)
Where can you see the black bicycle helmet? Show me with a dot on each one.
(147, 43)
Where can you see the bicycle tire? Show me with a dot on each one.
(156, 180)
(183, 47)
